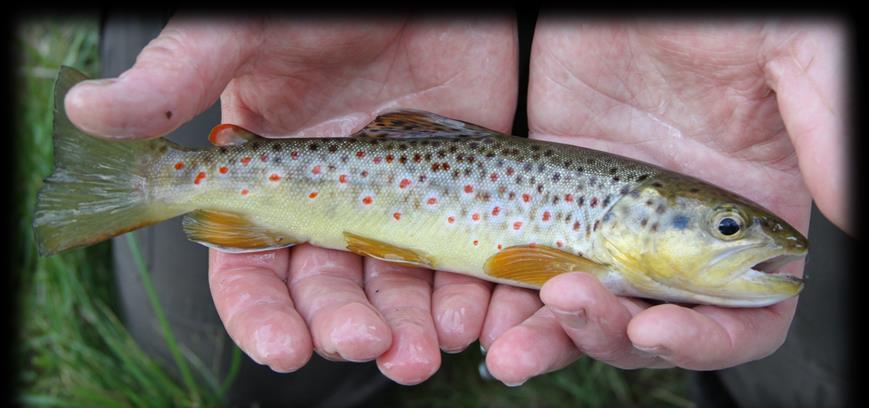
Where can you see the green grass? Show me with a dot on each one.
(75, 352)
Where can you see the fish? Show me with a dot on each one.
(420, 189)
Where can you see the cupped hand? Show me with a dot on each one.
(319, 78)
(754, 108)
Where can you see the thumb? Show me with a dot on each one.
(806, 72)
(177, 75)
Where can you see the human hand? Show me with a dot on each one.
(318, 79)
(753, 108)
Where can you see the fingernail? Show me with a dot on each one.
(654, 350)
(575, 320)
(484, 371)
(513, 385)
(482, 350)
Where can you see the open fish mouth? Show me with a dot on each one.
(775, 266)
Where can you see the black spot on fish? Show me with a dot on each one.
(277, 160)
(661, 209)
(642, 177)
(168, 114)
(680, 221)
(222, 150)
(333, 149)
(613, 170)
(556, 177)
(657, 184)
(276, 147)
(255, 145)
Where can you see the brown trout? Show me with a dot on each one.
(421, 189)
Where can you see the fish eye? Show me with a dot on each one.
(728, 225)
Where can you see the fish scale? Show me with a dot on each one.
(425, 190)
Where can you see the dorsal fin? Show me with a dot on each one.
(227, 134)
(411, 124)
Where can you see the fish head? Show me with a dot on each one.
(681, 239)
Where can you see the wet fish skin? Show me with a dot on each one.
(419, 188)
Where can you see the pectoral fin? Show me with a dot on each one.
(231, 232)
(386, 252)
(534, 265)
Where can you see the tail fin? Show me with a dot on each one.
(98, 188)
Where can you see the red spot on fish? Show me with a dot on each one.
(294, 155)
(576, 226)
(367, 200)
(476, 242)
(469, 188)
(274, 177)
(316, 170)
(496, 211)
(389, 158)
(404, 183)
(264, 158)
(360, 154)
(245, 161)
(244, 191)
(517, 225)
(532, 245)
(364, 173)
(512, 195)
(593, 202)
(446, 166)
(342, 179)
(435, 166)
(509, 171)
(397, 216)
(223, 170)
(451, 219)
(199, 177)
(547, 216)
(568, 198)
(179, 165)
(313, 195)
(499, 247)
(559, 244)
(417, 157)
(526, 197)
(432, 201)
(475, 217)
(377, 160)
(493, 177)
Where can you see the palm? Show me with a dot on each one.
(694, 101)
(328, 78)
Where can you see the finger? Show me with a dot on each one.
(327, 288)
(596, 320)
(177, 75)
(509, 306)
(459, 305)
(709, 337)
(805, 69)
(536, 346)
(255, 307)
(403, 296)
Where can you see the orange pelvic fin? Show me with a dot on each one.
(386, 252)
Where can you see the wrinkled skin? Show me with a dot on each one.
(694, 100)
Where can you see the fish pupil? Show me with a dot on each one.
(728, 226)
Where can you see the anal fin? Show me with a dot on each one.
(231, 232)
(534, 265)
(385, 252)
